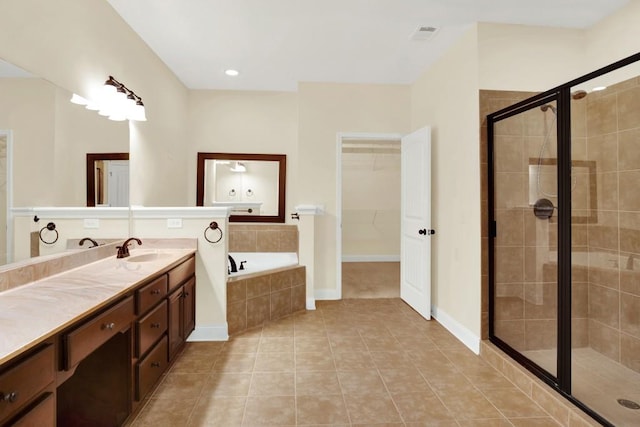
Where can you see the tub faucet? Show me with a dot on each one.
(93, 242)
(123, 251)
(234, 267)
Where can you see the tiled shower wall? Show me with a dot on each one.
(605, 235)
(612, 131)
(263, 238)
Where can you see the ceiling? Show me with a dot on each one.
(277, 43)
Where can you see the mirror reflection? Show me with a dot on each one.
(44, 140)
(253, 185)
(108, 179)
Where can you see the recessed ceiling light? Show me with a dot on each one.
(231, 72)
(598, 88)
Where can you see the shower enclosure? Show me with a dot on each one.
(564, 240)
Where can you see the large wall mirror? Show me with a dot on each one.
(44, 141)
(253, 185)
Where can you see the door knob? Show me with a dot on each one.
(423, 232)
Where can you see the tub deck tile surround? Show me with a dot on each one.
(263, 238)
(259, 299)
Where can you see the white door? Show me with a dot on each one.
(118, 183)
(415, 211)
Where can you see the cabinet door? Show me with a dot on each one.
(189, 306)
(176, 324)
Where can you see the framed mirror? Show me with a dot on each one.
(253, 185)
(108, 179)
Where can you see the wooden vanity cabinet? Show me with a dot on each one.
(182, 294)
(26, 386)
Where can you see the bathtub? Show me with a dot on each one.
(261, 262)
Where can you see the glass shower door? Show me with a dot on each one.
(525, 189)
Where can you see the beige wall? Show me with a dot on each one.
(77, 45)
(325, 109)
(446, 98)
(520, 57)
(243, 122)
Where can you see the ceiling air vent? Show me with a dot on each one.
(424, 32)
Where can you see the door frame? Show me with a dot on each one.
(340, 139)
(9, 196)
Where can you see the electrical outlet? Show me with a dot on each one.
(92, 223)
(174, 223)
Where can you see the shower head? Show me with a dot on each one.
(579, 94)
(545, 107)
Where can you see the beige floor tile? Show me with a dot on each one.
(390, 359)
(405, 380)
(353, 361)
(489, 422)
(164, 412)
(534, 422)
(361, 382)
(346, 344)
(272, 384)
(281, 328)
(370, 409)
(270, 410)
(239, 362)
(421, 407)
(194, 363)
(274, 362)
(327, 409)
(241, 345)
(218, 411)
(224, 384)
(317, 383)
(315, 362)
(514, 403)
(180, 386)
(275, 345)
(312, 345)
(468, 404)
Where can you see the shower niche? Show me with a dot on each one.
(564, 238)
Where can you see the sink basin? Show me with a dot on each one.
(146, 257)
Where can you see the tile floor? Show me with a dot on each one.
(370, 280)
(367, 362)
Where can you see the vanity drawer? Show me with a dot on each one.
(42, 415)
(151, 368)
(92, 334)
(149, 295)
(151, 327)
(182, 272)
(22, 382)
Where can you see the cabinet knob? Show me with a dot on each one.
(9, 397)
(108, 326)
(155, 292)
(155, 364)
(155, 325)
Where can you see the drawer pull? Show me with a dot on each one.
(155, 364)
(9, 397)
(108, 326)
(155, 325)
(155, 292)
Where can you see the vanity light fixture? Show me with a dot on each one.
(231, 72)
(239, 167)
(115, 101)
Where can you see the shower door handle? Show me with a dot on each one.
(423, 232)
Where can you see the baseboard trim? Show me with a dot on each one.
(371, 258)
(219, 332)
(326, 294)
(311, 304)
(463, 334)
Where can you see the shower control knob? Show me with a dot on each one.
(423, 232)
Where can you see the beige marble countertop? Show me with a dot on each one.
(31, 313)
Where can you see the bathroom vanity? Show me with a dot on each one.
(86, 346)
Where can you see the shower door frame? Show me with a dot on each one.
(561, 382)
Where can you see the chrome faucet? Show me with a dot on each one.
(123, 251)
(93, 242)
(234, 266)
